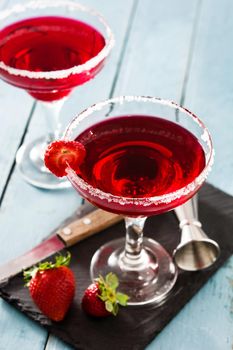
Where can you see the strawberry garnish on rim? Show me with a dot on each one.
(61, 154)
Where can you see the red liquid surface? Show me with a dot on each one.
(45, 44)
(138, 157)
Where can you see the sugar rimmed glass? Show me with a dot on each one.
(51, 86)
(145, 269)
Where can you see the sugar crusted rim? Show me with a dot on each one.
(64, 73)
(147, 201)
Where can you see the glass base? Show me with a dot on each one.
(148, 281)
(30, 161)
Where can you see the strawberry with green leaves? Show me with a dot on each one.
(101, 298)
(52, 286)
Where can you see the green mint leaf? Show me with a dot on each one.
(122, 299)
(108, 306)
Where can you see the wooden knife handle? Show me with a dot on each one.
(88, 225)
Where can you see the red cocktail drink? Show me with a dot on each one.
(144, 156)
(47, 44)
(139, 157)
(48, 48)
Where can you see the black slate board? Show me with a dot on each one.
(134, 327)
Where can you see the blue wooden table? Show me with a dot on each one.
(175, 49)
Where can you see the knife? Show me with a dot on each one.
(64, 237)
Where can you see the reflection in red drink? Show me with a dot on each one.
(139, 157)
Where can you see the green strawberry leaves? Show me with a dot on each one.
(60, 260)
(112, 280)
(109, 295)
(112, 307)
(122, 299)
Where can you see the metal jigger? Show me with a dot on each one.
(196, 251)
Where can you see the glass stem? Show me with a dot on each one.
(134, 241)
(52, 114)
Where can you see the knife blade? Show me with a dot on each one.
(67, 236)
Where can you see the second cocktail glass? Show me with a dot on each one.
(48, 48)
(140, 161)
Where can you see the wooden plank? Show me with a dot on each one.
(158, 49)
(28, 214)
(18, 332)
(13, 126)
(12, 123)
(56, 344)
(209, 87)
(4, 4)
(207, 322)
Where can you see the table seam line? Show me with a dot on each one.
(14, 161)
(190, 53)
(124, 46)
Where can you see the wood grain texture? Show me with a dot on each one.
(210, 84)
(158, 49)
(156, 56)
(206, 323)
(93, 223)
(12, 127)
(18, 332)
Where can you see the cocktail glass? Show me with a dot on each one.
(140, 161)
(48, 48)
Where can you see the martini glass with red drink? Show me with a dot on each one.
(48, 48)
(135, 159)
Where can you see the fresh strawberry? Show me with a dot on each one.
(60, 154)
(52, 286)
(101, 298)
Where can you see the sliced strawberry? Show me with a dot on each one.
(60, 154)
